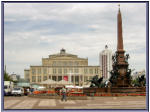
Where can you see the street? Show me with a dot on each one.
(125, 102)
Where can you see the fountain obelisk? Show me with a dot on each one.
(120, 75)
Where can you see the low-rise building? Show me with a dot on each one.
(15, 77)
(27, 75)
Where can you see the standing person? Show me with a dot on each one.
(64, 91)
(28, 91)
(31, 90)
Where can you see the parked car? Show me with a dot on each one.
(18, 91)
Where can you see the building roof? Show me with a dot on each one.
(62, 53)
(106, 50)
(64, 66)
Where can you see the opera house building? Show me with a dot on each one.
(62, 66)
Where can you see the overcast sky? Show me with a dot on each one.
(36, 30)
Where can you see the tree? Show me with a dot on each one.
(139, 81)
(7, 77)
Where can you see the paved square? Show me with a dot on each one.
(67, 102)
(26, 104)
(125, 102)
(9, 103)
(47, 102)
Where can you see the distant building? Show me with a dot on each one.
(27, 75)
(62, 66)
(15, 77)
(106, 62)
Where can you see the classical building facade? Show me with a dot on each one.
(106, 62)
(63, 66)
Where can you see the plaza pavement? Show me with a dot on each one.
(124, 102)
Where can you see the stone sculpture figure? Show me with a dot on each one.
(142, 81)
(95, 81)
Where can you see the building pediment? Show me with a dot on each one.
(63, 55)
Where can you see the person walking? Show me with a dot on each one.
(63, 92)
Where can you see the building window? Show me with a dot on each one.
(54, 63)
(33, 78)
(71, 70)
(44, 71)
(70, 63)
(54, 78)
(49, 77)
(61, 63)
(65, 70)
(91, 71)
(76, 70)
(85, 70)
(39, 78)
(60, 71)
(39, 70)
(65, 63)
(58, 63)
(96, 71)
(81, 78)
(59, 78)
(72, 79)
(76, 63)
(33, 71)
(85, 78)
(77, 79)
(44, 78)
(54, 71)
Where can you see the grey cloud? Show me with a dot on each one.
(33, 31)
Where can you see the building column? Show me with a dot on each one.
(79, 79)
(82, 80)
(35, 76)
(57, 78)
(74, 79)
(51, 76)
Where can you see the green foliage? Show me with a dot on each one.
(7, 77)
(139, 81)
(135, 82)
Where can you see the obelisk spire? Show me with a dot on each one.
(120, 37)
